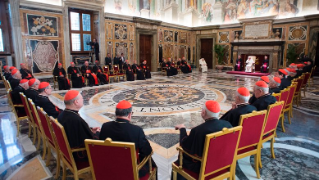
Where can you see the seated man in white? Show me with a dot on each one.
(203, 65)
(249, 64)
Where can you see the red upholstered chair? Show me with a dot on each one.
(107, 70)
(288, 105)
(38, 126)
(50, 138)
(17, 110)
(65, 151)
(7, 85)
(284, 94)
(118, 73)
(297, 96)
(116, 160)
(218, 161)
(251, 135)
(29, 114)
(304, 83)
(276, 95)
(269, 133)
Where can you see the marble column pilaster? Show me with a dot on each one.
(16, 32)
(66, 31)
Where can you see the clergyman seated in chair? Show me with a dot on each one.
(250, 64)
(194, 143)
(203, 65)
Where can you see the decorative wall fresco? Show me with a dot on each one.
(42, 25)
(297, 33)
(120, 31)
(223, 37)
(168, 36)
(121, 48)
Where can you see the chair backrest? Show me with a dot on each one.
(62, 141)
(106, 69)
(219, 151)
(299, 82)
(115, 68)
(35, 114)
(292, 89)
(276, 95)
(111, 159)
(305, 81)
(26, 106)
(253, 124)
(9, 96)
(9, 85)
(284, 95)
(272, 119)
(45, 124)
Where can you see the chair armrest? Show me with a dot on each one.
(78, 149)
(18, 105)
(192, 156)
(148, 158)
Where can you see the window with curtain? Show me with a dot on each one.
(81, 31)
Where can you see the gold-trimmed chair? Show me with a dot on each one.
(17, 109)
(305, 83)
(65, 151)
(284, 95)
(103, 156)
(29, 114)
(269, 133)
(107, 70)
(251, 135)
(297, 96)
(218, 161)
(117, 72)
(288, 105)
(276, 95)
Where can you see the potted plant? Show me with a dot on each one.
(220, 52)
(291, 53)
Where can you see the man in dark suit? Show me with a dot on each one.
(108, 60)
(32, 92)
(284, 81)
(117, 59)
(240, 107)
(16, 91)
(95, 48)
(42, 100)
(122, 60)
(122, 130)
(16, 77)
(194, 143)
(263, 98)
(274, 85)
(26, 74)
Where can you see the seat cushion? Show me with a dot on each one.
(82, 164)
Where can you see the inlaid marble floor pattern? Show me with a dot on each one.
(159, 104)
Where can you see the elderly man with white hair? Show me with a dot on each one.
(32, 92)
(239, 107)
(263, 98)
(274, 85)
(194, 142)
(23, 85)
(16, 77)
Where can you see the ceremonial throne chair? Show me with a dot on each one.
(107, 71)
(118, 73)
(218, 161)
(116, 160)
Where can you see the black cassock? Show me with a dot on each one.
(140, 74)
(26, 74)
(31, 93)
(116, 60)
(264, 66)
(307, 69)
(16, 95)
(14, 83)
(134, 67)
(146, 71)
(239, 65)
(285, 82)
(64, 83)
(129, 72)
(47, 105)
(233, 115)
(77, 82)
(299, 73)
(274, 90)
(173, 69)
(264, 101)
(7, 75)
(87, 72)
(194, 143)
(122, 130)
(104, 79)
(95, 49)
(76, 130)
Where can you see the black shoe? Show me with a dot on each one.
(102, 83)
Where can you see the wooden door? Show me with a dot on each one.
(146, 49)
(206, 51)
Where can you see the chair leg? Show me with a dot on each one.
(29, 134)
(34, 134)
(44, 148)
(64, 171)
(174, 175)
(58, 164)
(49, 156)
(18, 126)
(282, 123)
(259, 160)
(256, 165)
(76, 176)
(39, 140)
(272, 148)
(289, 120)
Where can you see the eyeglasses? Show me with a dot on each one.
(132, 113)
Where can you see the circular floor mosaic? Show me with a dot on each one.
(157, 99)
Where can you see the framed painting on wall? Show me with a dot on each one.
(42, 25)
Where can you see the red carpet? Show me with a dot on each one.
(248, 74)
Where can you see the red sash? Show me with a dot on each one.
(60, 74)
(144, 67)
(74, 71)
(82, 79)
(29, 76)
(166, 65)
(68, 82)
(189, 67)
(88, 71)
(95, 79)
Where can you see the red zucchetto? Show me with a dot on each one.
(32, 81)
(243, 91)
(123, 105)
(14, 71)
(212, 106)
(43, 85)
(71, 94)
(283, 71)
(23, 81)
(265, 78)
(261, 84)
(277, 80)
